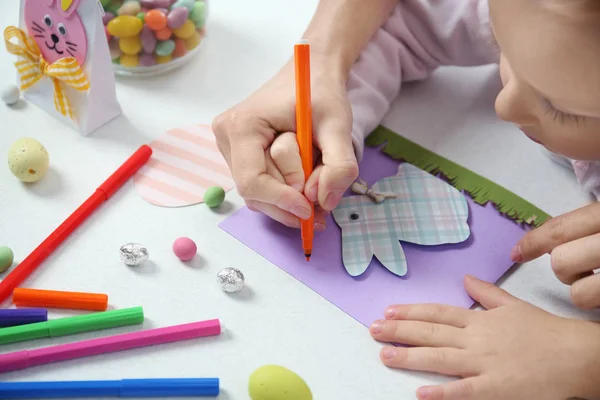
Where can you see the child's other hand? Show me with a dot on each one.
(573, 242)
(512, 350)
(257, 138)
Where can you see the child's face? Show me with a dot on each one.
(550, 68)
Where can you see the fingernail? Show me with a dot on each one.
(424, 392)
(388, 353)
(301, 212)
(389, 313)
(312, 193)
(297, 187)
(332, 200)
(516, 254)
(376, 328)
(320, 226)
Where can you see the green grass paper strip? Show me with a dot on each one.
(480, 189)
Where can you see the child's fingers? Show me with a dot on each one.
(286, 156)
(464, 389)
(488, 295)
(585, 293)
(577, 259)
(320, 218)
(446, 361)
(275, 213)
(417, 333)
(565, 228)
(312, 184)
(436, 313)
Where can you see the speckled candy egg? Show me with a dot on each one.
(28, 160)
(273, 382)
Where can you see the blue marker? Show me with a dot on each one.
(186, 387)
(22, 316)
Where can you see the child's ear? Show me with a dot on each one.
(68, 6)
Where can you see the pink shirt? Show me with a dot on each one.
(420, 36)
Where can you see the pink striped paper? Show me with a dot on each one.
(185, 162)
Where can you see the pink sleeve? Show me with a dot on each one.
(419, 36)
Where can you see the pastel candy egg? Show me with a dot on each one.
(164, 34)
(184, 248)
(189, 4)
(28, 160)
(165, 48)
(156, 20)
(164, 59)
(142, 16)
(147, 60)
(177, 17)
(130, 61)
(193, 42)
(186, 30)
(156, 3)
(105, 3)
(214, 196)
(107, 34)
(125, 26)
(6, 258)
(130, 45)
(130, 8)
(115, 51)
(107, 17)
(148, 40)
(10, 95)
(197, 14)
(180, 49)
(273, 382)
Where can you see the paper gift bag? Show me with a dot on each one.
(63, 61)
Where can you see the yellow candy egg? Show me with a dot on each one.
(125, 26)
(28, 160)
(128, 60)
(130, 45)
(164, 59)
(186, 30)
(273, 382)
(193, 42)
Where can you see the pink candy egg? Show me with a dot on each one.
(184, 248)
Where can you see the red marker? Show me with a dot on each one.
(103, 193)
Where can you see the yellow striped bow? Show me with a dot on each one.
(32, 67)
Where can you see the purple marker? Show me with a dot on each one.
(22, 316)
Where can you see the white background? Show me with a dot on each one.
(277, 320)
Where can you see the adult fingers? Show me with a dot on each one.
(417, 333)
(249, 171)
(585, 293)
(488, 295)
(446, 361)
(312, 184)
(565, 228)
(340, 167)
(577, 259)
(464, 389)
(275, 213)
(320, 218)
(286, 155)
(436, 313)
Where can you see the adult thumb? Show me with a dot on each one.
(340, 167)
(487, 294)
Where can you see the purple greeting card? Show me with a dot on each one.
(435, 273)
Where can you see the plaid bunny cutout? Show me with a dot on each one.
(423, 210)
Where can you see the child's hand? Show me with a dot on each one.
(513, 351)
(573, 242)
(257, 138)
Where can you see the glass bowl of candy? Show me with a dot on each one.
(148, 37)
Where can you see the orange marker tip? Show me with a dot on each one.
(302, 41)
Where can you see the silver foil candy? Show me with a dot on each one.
(230, 279)
(133, 254)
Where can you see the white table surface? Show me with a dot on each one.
(277, 320)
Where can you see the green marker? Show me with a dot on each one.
(72, 325)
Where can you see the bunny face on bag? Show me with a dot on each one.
(57, 29)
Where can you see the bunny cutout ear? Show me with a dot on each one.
(67, 6)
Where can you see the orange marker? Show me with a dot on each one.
(53, 299)
(304, 132)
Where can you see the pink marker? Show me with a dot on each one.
(46, 355)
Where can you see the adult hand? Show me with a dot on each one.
(513, 350)
(257, 138)
(573, 242)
